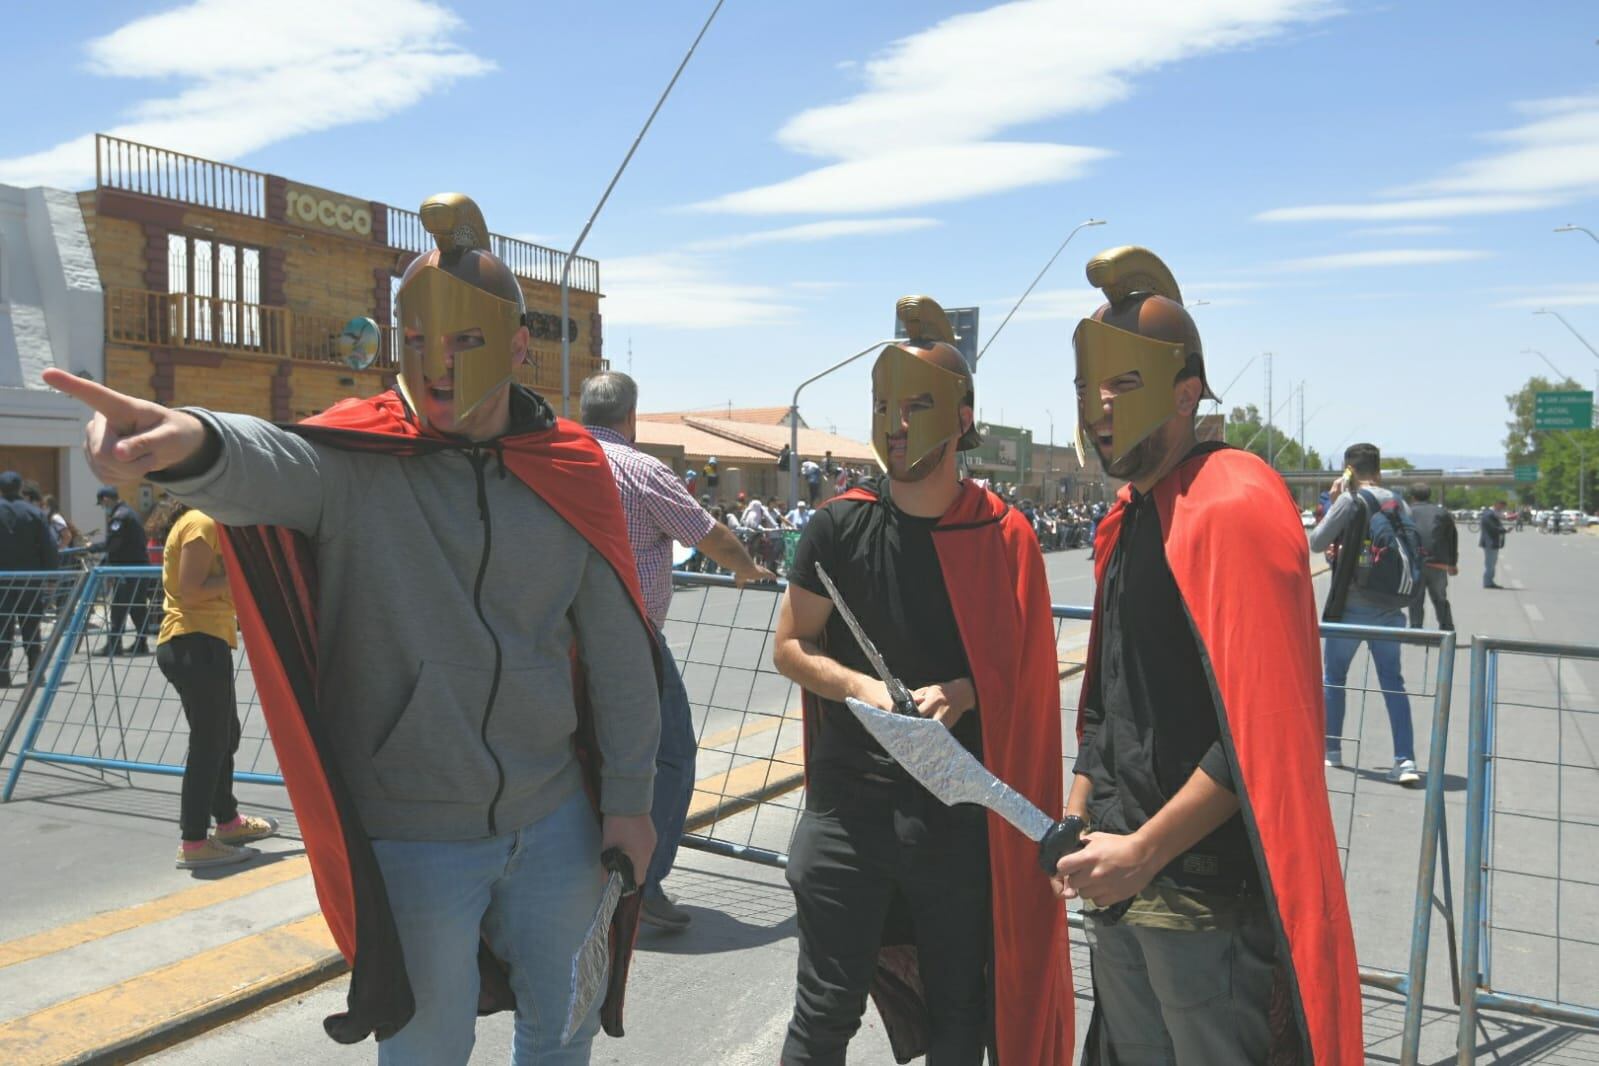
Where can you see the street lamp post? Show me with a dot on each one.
(1569, 228)
(793, 418)
(566, 267)
(1030, 288)
(1574, 333)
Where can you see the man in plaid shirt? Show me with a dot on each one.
(660, 510)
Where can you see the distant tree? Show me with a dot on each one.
(1555, 452)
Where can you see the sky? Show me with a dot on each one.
(1368, 191)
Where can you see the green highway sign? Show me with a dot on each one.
(1562, 410)
(1529, 472)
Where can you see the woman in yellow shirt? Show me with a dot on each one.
(195, 651)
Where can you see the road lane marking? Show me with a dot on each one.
(159, 1008)
(724, 795)
(205, 894)
(1532, 611)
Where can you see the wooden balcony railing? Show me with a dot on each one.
(531, 261)
(182, 320)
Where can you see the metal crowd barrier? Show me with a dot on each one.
(749, 797)
(1532, 838)
(32, 606)
(116, 712)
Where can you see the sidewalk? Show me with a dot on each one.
(108, 952)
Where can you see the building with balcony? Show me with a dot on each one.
(229, 288)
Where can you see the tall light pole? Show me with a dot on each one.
(1040, 277)
(1574, 333)
(793, 418)
(1560, 375)
(1569, 228)
(1051, 477)
(566, 267)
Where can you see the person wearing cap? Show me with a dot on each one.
(26, 543)
(453, 656)
(1214, 906)
(124, 545)
(939, 913)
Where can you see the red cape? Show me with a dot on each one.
(272, 572)
(1236, 548)
(994, 572)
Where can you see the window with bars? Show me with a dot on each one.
(218, 290)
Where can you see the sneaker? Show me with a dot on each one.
(212, 853)
(250, 828)
(110, 648)
(660, 911)
(1404, 773)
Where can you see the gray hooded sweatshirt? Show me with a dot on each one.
(431, 569)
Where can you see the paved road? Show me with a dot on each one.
(720, 993)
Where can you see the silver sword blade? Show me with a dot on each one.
(590, 965)
(896, 687)
(931, 754)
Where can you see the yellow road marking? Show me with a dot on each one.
(763, 724)
(205, 894)
(171, 1003)
(724, 795)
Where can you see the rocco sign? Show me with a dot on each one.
(309, 206)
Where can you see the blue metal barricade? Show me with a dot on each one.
(102, 702)
(1532, 838)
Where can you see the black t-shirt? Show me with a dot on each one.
(886, 568)
(1150, 715)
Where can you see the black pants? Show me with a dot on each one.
(864, 854)
(131, 595)
(1434, 583)
(20, 613)
(200, 667)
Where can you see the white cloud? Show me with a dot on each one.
(1421, 230)
(816, 231)
(251, 75)
(1550, 160)
(672, 290)
(936, 175)
(1385, 258)
(967, 79)
(1382, 211)
(1047, 305)
(1567, 295)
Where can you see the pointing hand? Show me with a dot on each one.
(128, 438)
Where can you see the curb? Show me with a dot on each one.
(188, 1025)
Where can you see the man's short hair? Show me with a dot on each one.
(1421, 493)
(10, 484)
(607, 399)
(1365, 458)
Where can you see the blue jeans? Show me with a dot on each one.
(1490, 559)
(674, 769)
(1385, 656)
(531, 893)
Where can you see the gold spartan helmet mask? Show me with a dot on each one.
(1142, 330)
(926, 382)
(456, 287)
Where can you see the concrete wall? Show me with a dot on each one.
(51, 314)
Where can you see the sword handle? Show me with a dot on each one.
(904, 702)
(1060, 840)
(616, 860)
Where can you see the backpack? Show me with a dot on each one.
(1388, 566)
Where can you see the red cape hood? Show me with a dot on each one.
(1237, 551)
(994, 572)
(272, 572)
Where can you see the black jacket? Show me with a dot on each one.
(1440, 540)
(1493, 529)
(124, 540)
(26, 542)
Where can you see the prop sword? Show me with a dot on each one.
(590, 964)
(930, 753)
